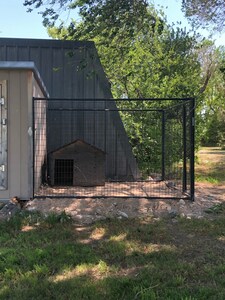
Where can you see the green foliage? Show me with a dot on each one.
(54, 218)
(205, 13)
(94, 13)
(141, 55)
(213, 107)
(151, 64)
(214, 134)
(216, 209)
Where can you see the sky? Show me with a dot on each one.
(16, 22)
(172, 9)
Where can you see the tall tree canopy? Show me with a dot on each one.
(205, 13)
(89, 10)
(141, 54)
(213, 111)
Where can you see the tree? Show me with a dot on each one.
(143, 57)
(213, 107)
(153, 60)
(205, 13)
(92, 12)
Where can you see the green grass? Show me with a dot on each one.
(210, 178)
(52, 258)
(210, 165)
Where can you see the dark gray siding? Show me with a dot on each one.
(72, 70)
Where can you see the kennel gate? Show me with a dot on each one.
(137, 148)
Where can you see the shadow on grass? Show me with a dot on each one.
(127, 259)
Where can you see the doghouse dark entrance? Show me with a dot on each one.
(63, 172)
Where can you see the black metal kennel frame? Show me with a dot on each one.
(99, 148)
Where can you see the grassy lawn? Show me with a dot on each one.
(52, 258)
(210, 165)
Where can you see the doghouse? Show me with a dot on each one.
(19, 82)
(77, 164)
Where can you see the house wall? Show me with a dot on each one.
(73, 70)
(17, 90)
(21, 85)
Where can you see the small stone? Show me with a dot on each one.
(98, 212)
(190, 236)
(122, 214)
(73, 213)
(143, 210)
(168, 208)
(100, 218)
(9, 210)
(181, 202)
(173, 213)
(80, 217)
(88, 221)
(163, 207)
(33, 208)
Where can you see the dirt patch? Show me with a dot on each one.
(89, 210)
(149, 188)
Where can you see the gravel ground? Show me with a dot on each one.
(89, 210)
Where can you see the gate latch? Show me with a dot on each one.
(2, 168)
(4, 121)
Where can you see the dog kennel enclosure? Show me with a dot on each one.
(159, 133)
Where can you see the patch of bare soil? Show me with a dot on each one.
(89, 210)
(148, 188)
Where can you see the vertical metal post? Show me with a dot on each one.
(33, 141)
(192, 154)
(184, 185)
(46, 130)
(163, 143)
